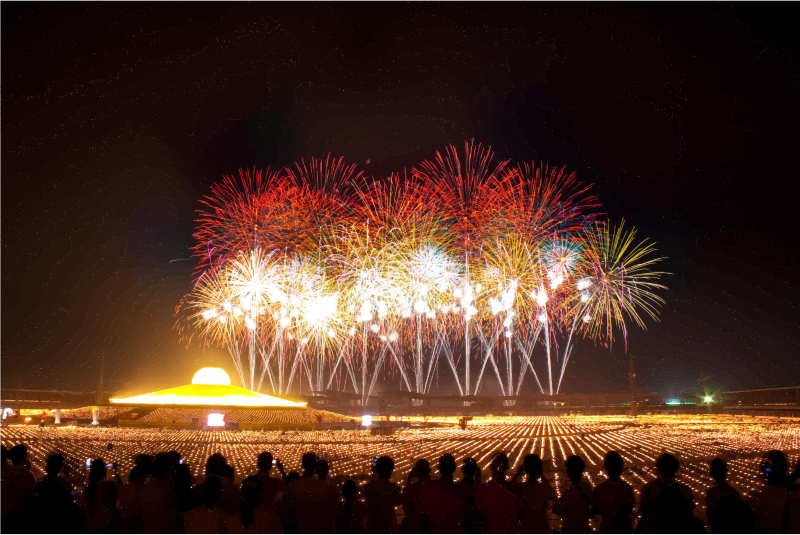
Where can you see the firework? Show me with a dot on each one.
(329, 276)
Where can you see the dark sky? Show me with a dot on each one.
(117, 119)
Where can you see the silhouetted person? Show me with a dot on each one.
(159, 499)
(130, 500)
(54, 499)
(207, 517)
(667, 506)
(575, 502)
(537, 493)
(614, 499)
(253, 519)
(382, 496)
(231, 498)
(769, 502)
(312, 499)
(285, 506)
(16, 490)
(353, 512)
(727, 513)
(272, 487)
(498, 506)
(412, 495)
(471, 484)
(187, 496)
(443, 502)
(101, 499)
(471, 472)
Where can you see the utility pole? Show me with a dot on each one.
(632, 373)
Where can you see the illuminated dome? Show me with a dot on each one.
(211, 376)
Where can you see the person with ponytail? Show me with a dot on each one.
(207, 517)
(353, 512)
(99, 500)
(253, 518)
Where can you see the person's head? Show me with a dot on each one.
(212, 488)
(264, 461)
(17, 454)
(774, 465)
(667, 465)
(384, 466)
(97, 472)
(251, 492)
(447, 465)
(138, 475)
(575, 467)
(160, 466)
(322, 469)
(470, 468)
(174, 458)
(215, 465)
(350, 490)
(109, 446)
(145, 462)
(54, 464)
(309, 462)
(613, 464)
(719, 469)
(499, 465)
(183, 476)
(533, 466)
(423, 469)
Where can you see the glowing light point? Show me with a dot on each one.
(366, 420)
(708, 399)
(216, 420)
(584, 297)
(211, 376)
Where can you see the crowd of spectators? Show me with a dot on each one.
(160, 495)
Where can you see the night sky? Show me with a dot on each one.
(117, 119)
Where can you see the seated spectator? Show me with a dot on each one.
(101, 499)
(667, 506)
(353, 512)
(575, 502)
(613, 499)
(207, 517)
(537, 494)
(382, 496)
(54, 499)
(17, 490)
(253, 519)
(719, 472)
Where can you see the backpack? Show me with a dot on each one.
(671, 512)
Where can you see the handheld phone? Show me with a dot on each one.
(109, 465)
(180, 461)
(88, 463)
(768, 470)
(274, 461)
